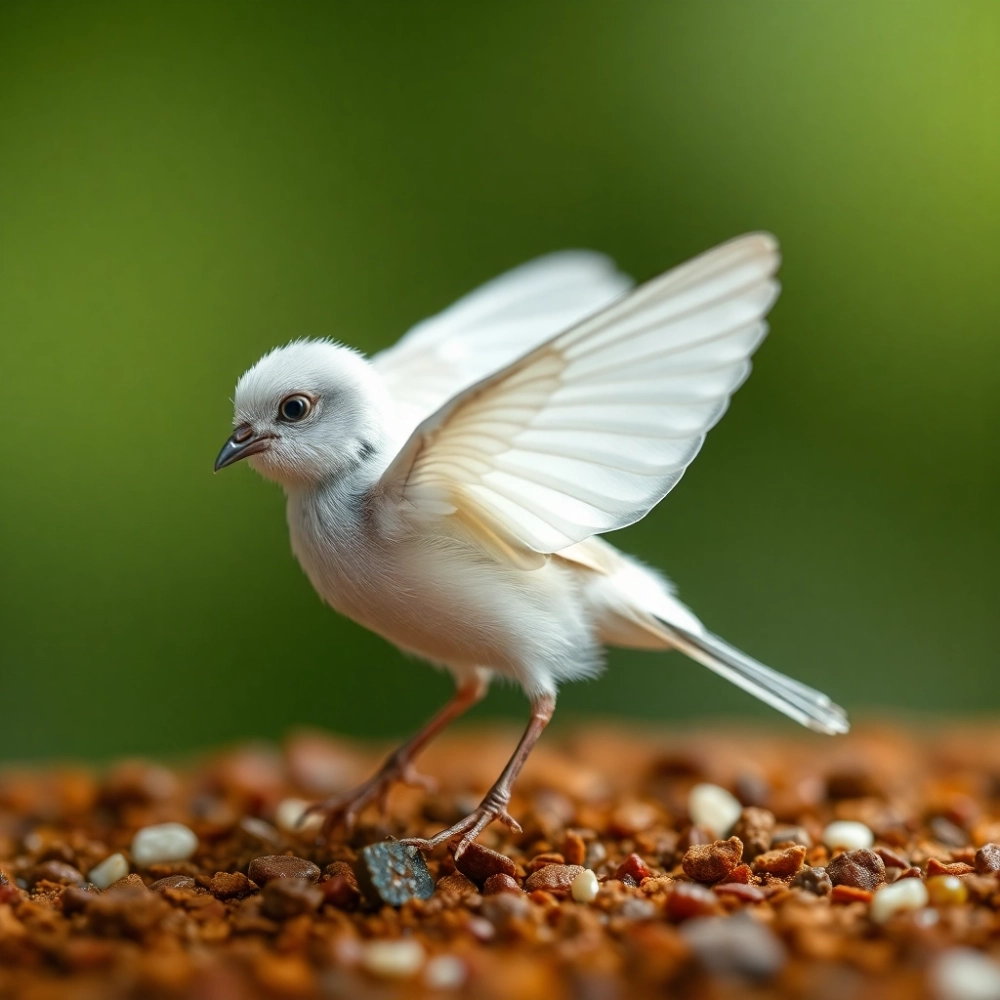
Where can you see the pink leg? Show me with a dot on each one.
(494, 806)
(347, 808)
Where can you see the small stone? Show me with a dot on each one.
(500, 883)
(632, 817)
(814, 880)
(908, 894)
(503, 907)
(275, 866)
(341, 891)
(850, 894)
(691, 900)
(935, 867)
(783, 863)
(445, 972)
(163, 842)
(556, 879)
(291, 817)
(988, 859)
(965, 974)
(479, 863)
(574, 850)
(584, 887)
(75, 898)
(791, 835)
(861, 869)
(946, 890)
(947, 833)
(456, 884)
(111, 869)
(712, 862)
(636, 908)
(174, 882)
(735, 946)
(229, 885)
(393, 959)
(848, 836)
(56, 871)
(892, 859)
(741, 873)
(289, 897)
(634, 868)
(394, 873)
(713, 807)
(742, 891)
(755, 828)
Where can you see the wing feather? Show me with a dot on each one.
(587, 432)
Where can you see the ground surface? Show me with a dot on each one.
(259, 910)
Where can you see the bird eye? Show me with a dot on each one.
(294, 408)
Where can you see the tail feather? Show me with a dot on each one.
(804, 704)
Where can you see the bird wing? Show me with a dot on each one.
(587, 432)
(492, 326)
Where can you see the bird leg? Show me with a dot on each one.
(494, 806)
(346, 808)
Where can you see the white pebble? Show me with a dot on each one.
(110, 870)
(445, 972)
(289, 813)
(393, 959)
(848, 835)
(906, 894)
(964, 974)
(714, 807)
(584, 887)
(164, 842)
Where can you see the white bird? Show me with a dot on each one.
(449, 493)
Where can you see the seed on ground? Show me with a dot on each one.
(714, 807)
(393, 959)
(848, 836)
(907, 894)
(163, 842)
(111, 869)
(584, 887)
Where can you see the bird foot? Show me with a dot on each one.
(345, 810)
(494, 806)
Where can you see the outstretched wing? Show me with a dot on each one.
(589, 431)
(492, 326)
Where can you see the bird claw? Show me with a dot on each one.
(345, 810)
(493, 807)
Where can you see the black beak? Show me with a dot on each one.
(242, 444)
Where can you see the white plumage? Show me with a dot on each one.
(449, 494)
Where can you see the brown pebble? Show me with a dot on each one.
(479, 863)
(988, 859)
(173, 882)
(691, 900)
(55, 871)
(500, 883)
(712, 862)
(748, 893)
(541, 860)
(814, 880)
(741, 873)
(947, 833)
(275, 866)
(861, 869)
(891, 858)
(553, 878)
(782, 863)
(75, 899)
(785, 835)
(456, 884)
(574, 850)
(633, 867)
(341, 892)
(286, 897)
(229, 885)
(850, 894)
(935, 867)
(755, 828)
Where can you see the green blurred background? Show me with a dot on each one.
(185, 185)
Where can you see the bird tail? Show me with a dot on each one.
(804, 704)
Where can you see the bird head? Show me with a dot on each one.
(306, 412)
